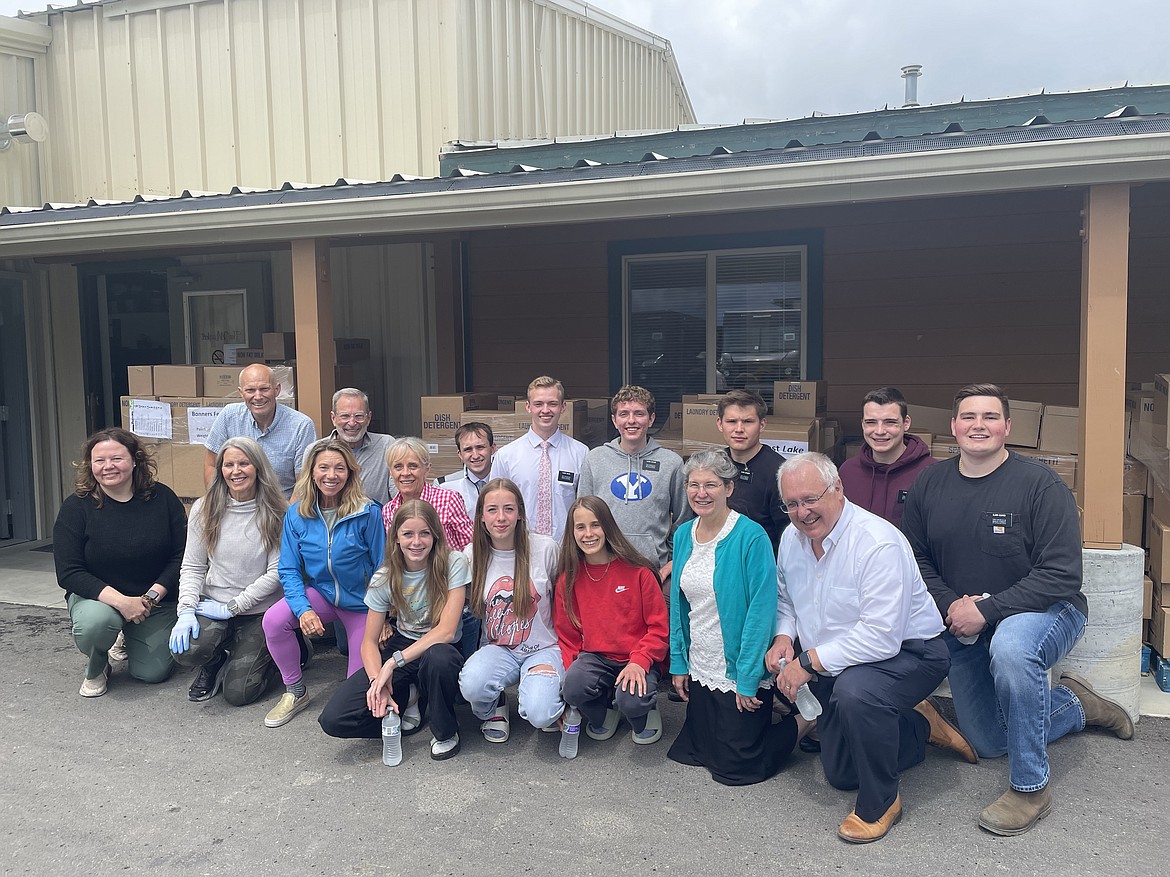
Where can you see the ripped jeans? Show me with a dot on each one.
(493, 668)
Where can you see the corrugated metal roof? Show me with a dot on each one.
(813, 130)
(650, 164)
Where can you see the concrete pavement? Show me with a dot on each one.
(143, 780)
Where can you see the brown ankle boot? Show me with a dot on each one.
(1016, 812)
(1100, 712)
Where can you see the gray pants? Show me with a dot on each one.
(96, 626)
(590, 686)
(249, 670)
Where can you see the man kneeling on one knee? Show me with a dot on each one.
(849, 586)
(998, 542)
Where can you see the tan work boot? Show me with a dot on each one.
(1015, 812)
(945, 735)
(1100, 712)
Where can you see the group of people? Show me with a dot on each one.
(588, 579)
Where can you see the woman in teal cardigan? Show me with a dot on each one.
(722, 616)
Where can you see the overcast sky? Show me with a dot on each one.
(781, 59)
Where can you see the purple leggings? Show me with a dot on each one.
(280, 632)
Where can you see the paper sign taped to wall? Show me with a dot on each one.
(199, 423)
(786, 448)
(150, 419)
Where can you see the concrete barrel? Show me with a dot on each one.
(1109, 654)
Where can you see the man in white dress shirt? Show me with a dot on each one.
(871, 639)
(476, 444)
(544, 462)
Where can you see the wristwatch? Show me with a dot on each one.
(399, 659)
(806, 664)
(152, 597)
(232, 607)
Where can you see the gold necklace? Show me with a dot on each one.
(604, 572)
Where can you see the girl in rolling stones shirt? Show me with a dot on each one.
(511, 592)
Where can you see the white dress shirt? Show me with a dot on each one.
(467, 486)
(861, 600)
(520, 461)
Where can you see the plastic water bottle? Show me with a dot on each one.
(970, 640)
(391, 739)
(570, 733)
(806, 702)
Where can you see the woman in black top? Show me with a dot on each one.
(118, 544)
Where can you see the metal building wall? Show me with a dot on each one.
(158, 96)
(22, 50)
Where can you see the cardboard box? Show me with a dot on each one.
(1159, 592)
(1064, 465)
(790, 437)
(698, 423)
(1159, 500)
(1160, 415)
(280, 345)
(162, 462)
(1135, 477)
(673, 423)
(178, 380)
(187, 469)
(1059, 429)
(933, 420)
(507, 402)
(1133, 519)
(799, 399)
(502, 424)
(140, 380)
(442, 415)
(1025, 424)
(1147, 597)
(1160, 631)
(351, 350)
(221, 380)
(595, 427)
(1158, 536)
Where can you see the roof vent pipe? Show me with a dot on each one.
(910, 73)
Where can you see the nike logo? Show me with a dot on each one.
(620, 588)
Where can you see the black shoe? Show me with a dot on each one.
(208, 680)
(809, 744)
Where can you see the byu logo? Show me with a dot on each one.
(631, 487)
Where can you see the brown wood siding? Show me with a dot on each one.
(925, 295)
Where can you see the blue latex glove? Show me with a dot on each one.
(186, 628)
(213, 609)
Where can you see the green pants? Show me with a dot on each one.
(96, 626)
(249, 669)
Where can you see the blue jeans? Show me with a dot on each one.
(493, 668)
(1002, 696)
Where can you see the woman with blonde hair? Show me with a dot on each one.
(229, 576)
(117, 545)
(422, 584)
(512, 596)
(331, 544)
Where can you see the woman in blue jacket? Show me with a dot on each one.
(332, 542)
(722, 615)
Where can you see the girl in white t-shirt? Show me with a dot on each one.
(421, 585)
(511, 592)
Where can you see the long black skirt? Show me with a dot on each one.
(738, 749)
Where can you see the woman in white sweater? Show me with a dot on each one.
(229, 576)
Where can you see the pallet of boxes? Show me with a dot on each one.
(1150, 441)
(795, 425)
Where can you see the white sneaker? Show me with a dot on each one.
(118, 649)
(95, 687)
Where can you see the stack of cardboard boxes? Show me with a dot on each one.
(796, 424)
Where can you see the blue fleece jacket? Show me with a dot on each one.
(337, 564)
(745, 595)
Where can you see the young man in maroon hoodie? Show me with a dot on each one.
(879, 478)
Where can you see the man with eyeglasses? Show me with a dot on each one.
(871, 639)
(997, 537)
(350, 414)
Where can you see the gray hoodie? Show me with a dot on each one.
(644, 491)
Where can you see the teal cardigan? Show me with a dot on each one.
(745, 595)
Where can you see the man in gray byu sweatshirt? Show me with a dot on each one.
(640, 481)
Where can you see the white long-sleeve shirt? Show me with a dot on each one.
(861, 600)
(520, 461)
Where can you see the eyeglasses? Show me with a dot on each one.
(706, 486)
(356, 418)
(807, 503)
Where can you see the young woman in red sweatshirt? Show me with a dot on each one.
(612, 626)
